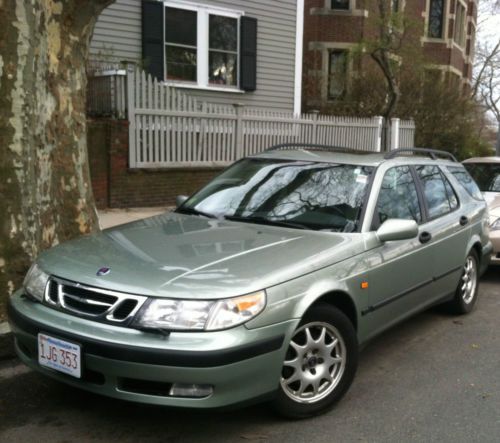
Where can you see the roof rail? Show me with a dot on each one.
(432, 153)
(315, 147)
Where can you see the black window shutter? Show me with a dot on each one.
(248, 53)
(153, 51)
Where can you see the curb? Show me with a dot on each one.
(6, 342)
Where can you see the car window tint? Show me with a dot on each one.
(435, 193)
(452, 196)
(398, 197)
(466, 181)
(316, 195)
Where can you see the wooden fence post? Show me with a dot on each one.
(132, 157)
(379, 123)
(394, 133)
(238, 139)
(315, 114)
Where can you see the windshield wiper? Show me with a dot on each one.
(266, 221)
(193, 211)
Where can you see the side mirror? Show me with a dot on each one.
(180, 199)
(397, 229)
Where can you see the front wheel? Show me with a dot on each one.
(319, 365)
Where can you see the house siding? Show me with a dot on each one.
(117, 37)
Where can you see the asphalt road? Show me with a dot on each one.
(435, 378)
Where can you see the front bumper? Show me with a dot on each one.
(241, 364)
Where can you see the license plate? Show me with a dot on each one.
(60, 355)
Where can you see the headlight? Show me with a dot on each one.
(495, 226)
(201, 314)
(35, 282)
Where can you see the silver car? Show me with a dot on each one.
(486, 173)
(262, 285)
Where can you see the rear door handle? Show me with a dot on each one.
(424, 237)
(464, 220)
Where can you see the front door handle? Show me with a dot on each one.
(424, 237)
(464, 220)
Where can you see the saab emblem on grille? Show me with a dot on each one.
(103, 271)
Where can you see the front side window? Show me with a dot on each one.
(437, 196)
(342, 5)
(436, 18)
(298, 194)
(486, 175)
(191, 58)
(398, 197)
(337, 73)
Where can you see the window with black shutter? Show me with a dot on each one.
(175, 47)
(248, 77)
(152, 38)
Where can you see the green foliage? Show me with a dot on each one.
(403, 83)
(448, 118)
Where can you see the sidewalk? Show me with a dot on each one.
(107, 219)
(114, 217)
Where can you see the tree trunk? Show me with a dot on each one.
(45, 190)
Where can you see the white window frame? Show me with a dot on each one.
(460, 29)
(446, 13)
(329, 75)
(203, 13)
(325, 48)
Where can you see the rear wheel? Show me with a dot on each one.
(466, 292)
(319, 365)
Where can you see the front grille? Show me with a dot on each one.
(88, 301)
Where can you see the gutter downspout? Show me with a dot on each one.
(299, 46)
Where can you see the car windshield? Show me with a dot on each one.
(486, 175)
(297, 194)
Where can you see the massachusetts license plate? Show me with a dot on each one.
(60, 355)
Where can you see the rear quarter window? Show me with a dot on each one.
(466, 181)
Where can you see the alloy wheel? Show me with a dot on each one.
(469, 280)
(314, 363)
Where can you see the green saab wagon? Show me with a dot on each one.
(262, 285)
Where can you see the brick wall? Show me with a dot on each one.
(98, 142)
(325, 29)
(117, 186)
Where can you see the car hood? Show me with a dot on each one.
(176, 255)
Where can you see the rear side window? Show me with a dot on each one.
(452, 197)
(438, 193)
(398, 197)
(466, 181)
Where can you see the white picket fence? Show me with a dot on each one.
(170, 129)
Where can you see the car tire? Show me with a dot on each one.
(466, 292)
(320, 363)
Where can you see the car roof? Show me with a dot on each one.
(482, 160)
(298, 152)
